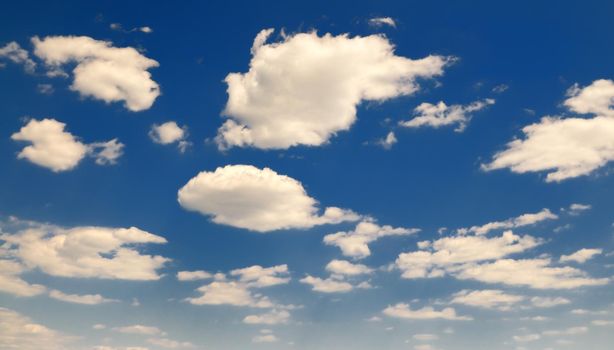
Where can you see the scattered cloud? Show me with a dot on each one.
(14, 53)
(388, 141)
(403, 310)
(140, 329)
(343, 267)
(487, 298)
(581, 256)
(103, 72)
(328, 285)
(256, 199)
(278, 103)
(86, 299)
(258, 276)
(436, 116)
(382, 21)
(168, 133)
(274, 317)
(519, 221)
(169, 343)
(549, 302)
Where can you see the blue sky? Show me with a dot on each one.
(356, 175)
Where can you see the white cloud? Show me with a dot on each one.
(436, 116)
(13, 52)
(193, 275)
(566, 147)
(425, 337)
(306, 88)
(329, 285)
(388, 141)
(343, 267)
(258, 276)
(103, 71)
(448, 254)
(355, 243)
(581, 256)
(86, 299)
(487, 298)
(256, 199)
(169, 343)
(577, 208)
(273, 317)
(54, 148)
(549, 302)
(519, 221)
(403, 310)
(87, 251)
(265, 338)
(99, 326)
(20, 333)
(536, 273)
(526, 338)
(381, 21)
(139, 329)
(568, 331)
(602, 322)
(168, 133)
(229, 293)
(10, 282)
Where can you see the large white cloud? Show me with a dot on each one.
(566, 147)
(103, 71)
(436, 116)
(305, 88)
(92, 252)
(256, 199)
(355, 243)
(18, 332)
(54, 148)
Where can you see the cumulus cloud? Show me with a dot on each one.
(343, 267)
(519, 221)
(487, 298)
(448, 254)
(86, 299)
(328, 285)
(19, 332)
(306, 88)
(14, 53)
(12, 283)
(54, 148)
(85, 251)
(103, 72)
(258, 276)
(382, 21)
(256, 199)
(229, 293)
(581, 256)
(355, 243)
(273, 317)
(566, 147)
(402, 310)
(536, 273)
(193, 275)
(436, 116)
(168, 133)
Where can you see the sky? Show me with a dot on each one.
(306, 175)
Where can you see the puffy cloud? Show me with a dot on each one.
(20, 333)
(13, 52)
(270, 318)
(96, 252)
(229, 293)
(519, 221)
(566, 147)
(536, 273)
(258, 276)
(549, 302)
(329, 285)
(10, 282)
(355, 243)
(139, 329)
(306, 88)
(193, 275)
(436, 116)
(381, 21)
(168, 133)
(487, 298)
(169, 343)
(103, 71)
(343, 267)
(54, 148)
(403, 310)
(581, 256)
(449, 254)
(86, 299)
(256, 199)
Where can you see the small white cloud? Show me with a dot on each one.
(519, 221)
(388, 141)
(265, 338)
(382, 21)
(19, 332)
(343, 267)
(549, 302)
(86, 299)
(106, 152)
(168, 133)
(139, 329)
(11, 282)
(436, 116)
(193, 275)
(229, 293)
(170, 343)
(329, 285)
(13, 52)
(425, 337)
(273, 317)
(487, 298)
(258, 276)
(526, 338)
(404, 311)
(256, 199)
(581, 256)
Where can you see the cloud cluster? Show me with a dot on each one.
(103, 71)
(355, 243)
(566, 147)
(256, 199)
(306, 88)
(436, 116)
(54, 148)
